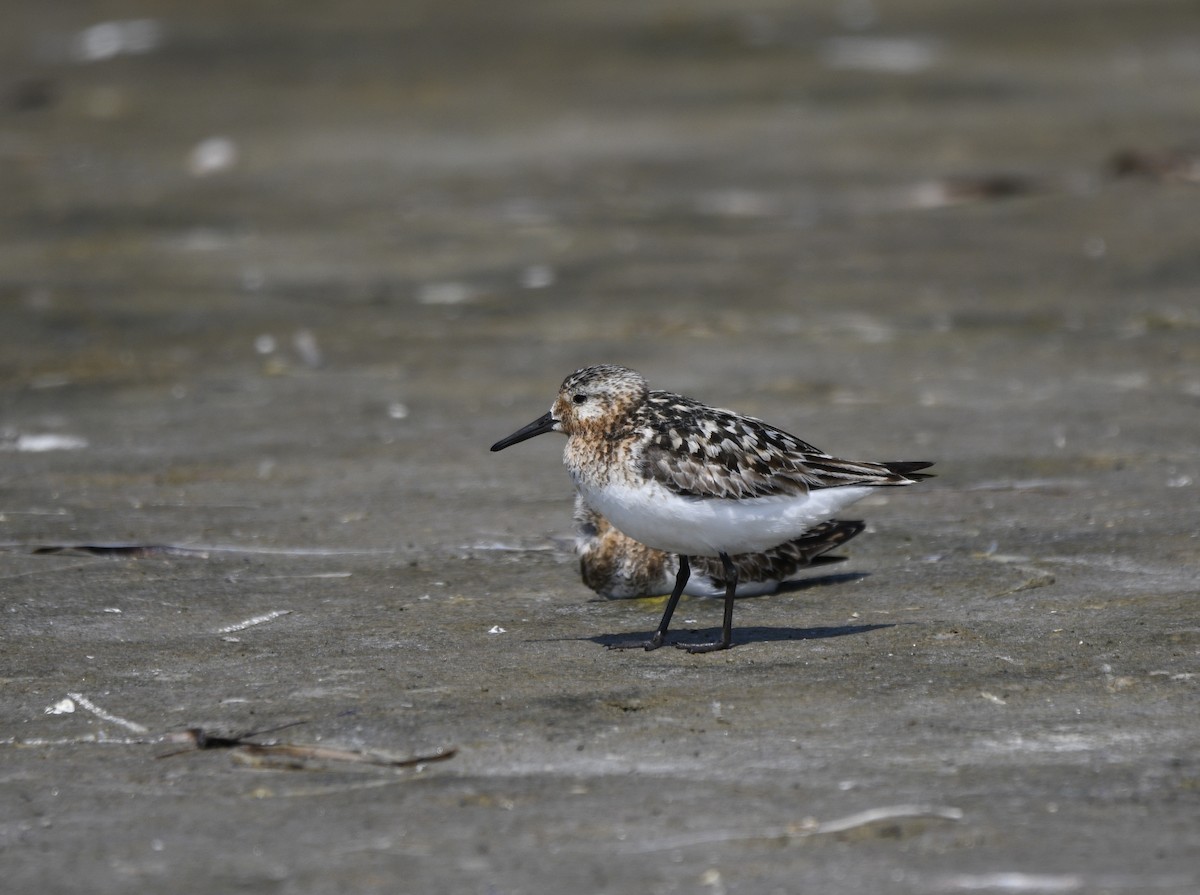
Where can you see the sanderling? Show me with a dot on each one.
(694, 480)
(616, 566)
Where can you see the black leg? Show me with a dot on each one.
(681, 579)
(731, 579)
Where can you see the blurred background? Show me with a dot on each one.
(233, 233)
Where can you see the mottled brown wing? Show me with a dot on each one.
(698, 451)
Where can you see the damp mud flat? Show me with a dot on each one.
(276, 621)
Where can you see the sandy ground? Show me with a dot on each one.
(273, 278)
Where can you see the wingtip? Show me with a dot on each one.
(909, 469)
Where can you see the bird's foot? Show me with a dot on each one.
(653, 643)
(704, 647)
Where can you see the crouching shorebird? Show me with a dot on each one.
(616, 566)
(693, 480)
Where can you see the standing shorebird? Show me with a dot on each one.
(693, 480)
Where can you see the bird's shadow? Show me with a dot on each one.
(745, 634)
(750, 633)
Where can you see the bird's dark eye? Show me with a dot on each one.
(579, 398)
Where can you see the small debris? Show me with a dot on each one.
(84, 703)
(959, 190)
(1011, 882)
(888, 818)
(306, 346)
(62, 707)
(120, 551)
(198, 738)
(211, 156)
(36, 444)
(1177, 166)
(107, 40)
(287, 757)
(880, 815)
(256, 620)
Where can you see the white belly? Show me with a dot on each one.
(708, 526)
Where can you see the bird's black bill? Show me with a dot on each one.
(540, 425)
